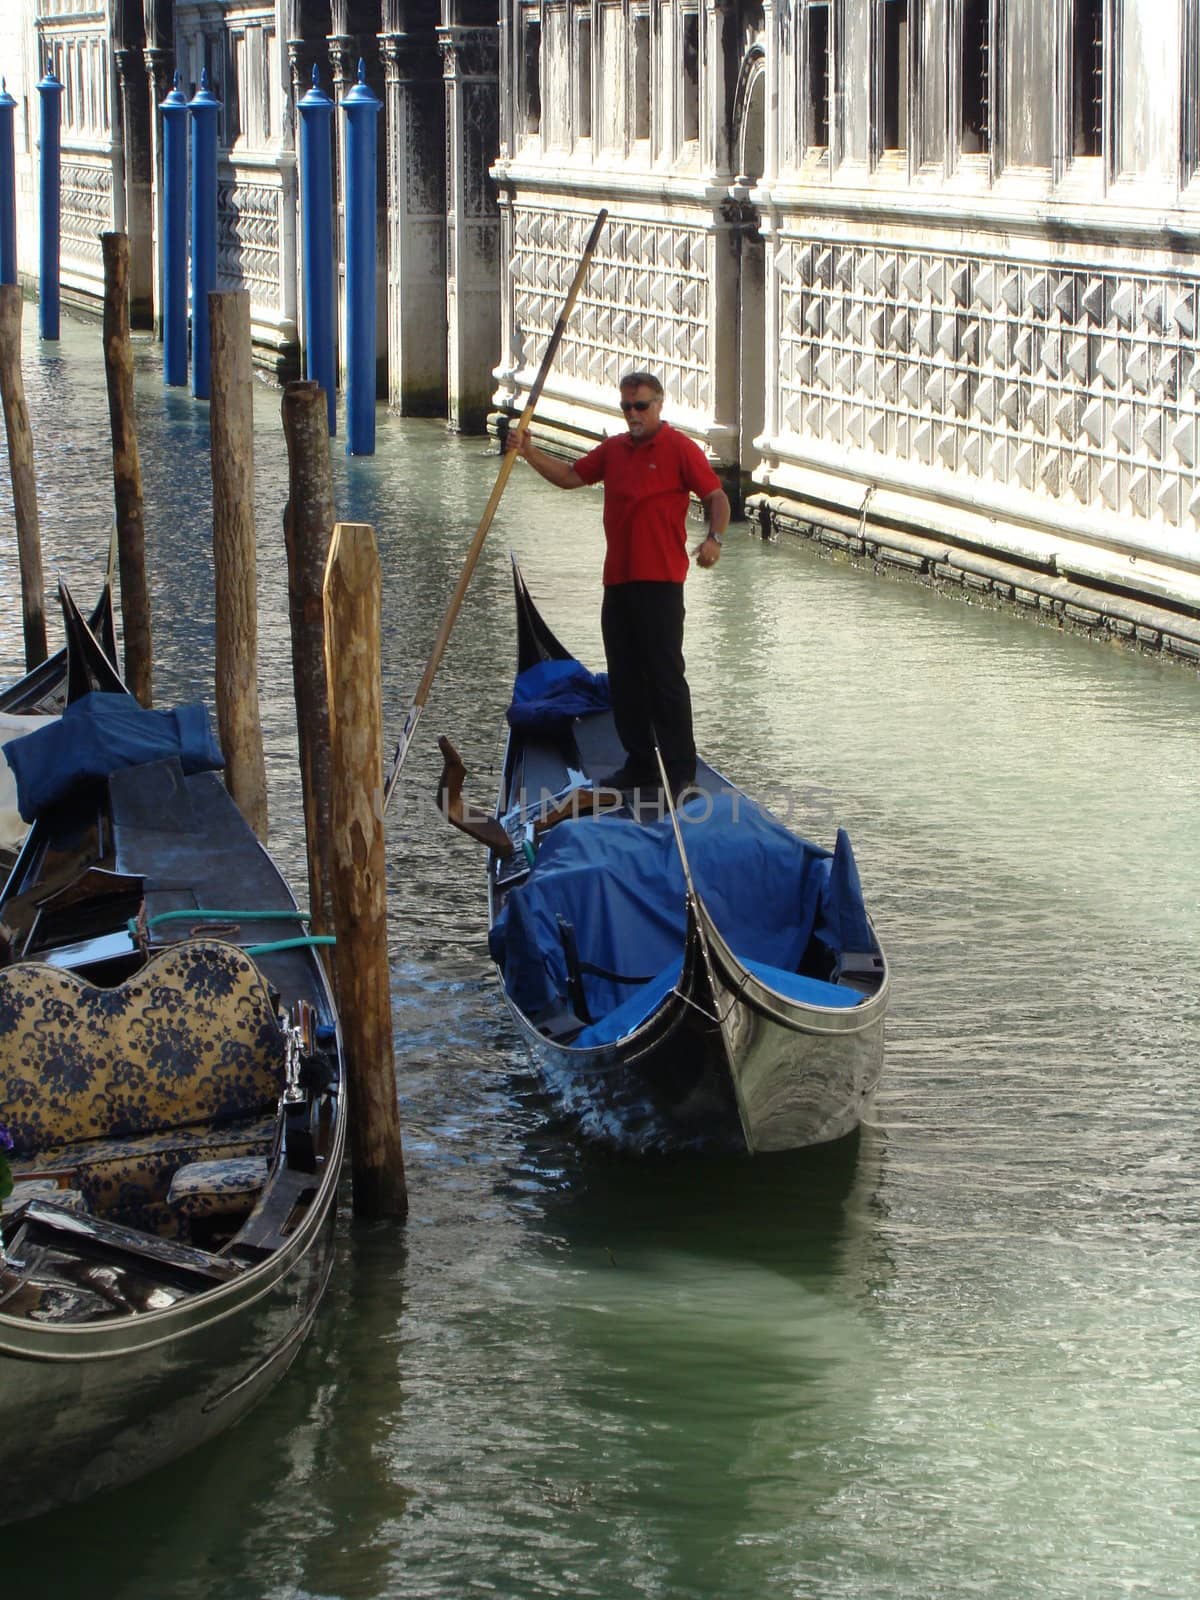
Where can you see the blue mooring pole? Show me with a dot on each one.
(316, 207)
(8, 188)
(361, 108)
(174, 110)
(50, 90)
(203, 106)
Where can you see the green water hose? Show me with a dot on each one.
(306, 942)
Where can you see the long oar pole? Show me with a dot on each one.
(481, 532)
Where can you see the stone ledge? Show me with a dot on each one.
(1123, 618)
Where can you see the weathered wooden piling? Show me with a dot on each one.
(127, 468)
(231, 430)
(307, 526)
(353, 664)
(24, 479)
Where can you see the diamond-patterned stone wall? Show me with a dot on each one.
(248, 241)
(1072, 384)
(87, 212)
(645, 302)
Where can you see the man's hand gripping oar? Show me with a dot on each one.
(506, 466)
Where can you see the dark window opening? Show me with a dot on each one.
(214, 65)
(583, 78)
(816, 131)
(976, 77)
(1088, 95)
(531, 74)
(641, 75)
(895, 75)
(691, 75)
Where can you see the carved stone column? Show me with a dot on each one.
(415, 143)
(343, 68)
(158, 59)
(470, 64)
(721, 56)
(138, 160)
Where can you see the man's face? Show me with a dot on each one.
(641, 407)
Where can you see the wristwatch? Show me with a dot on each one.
(715, 537)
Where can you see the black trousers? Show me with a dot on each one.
(642, 624)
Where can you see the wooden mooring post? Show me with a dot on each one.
(127, 468)
(231, 430)
(353, 592)
(24, 479)
(307, 527)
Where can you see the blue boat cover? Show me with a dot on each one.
(620, 885)
(102, 733)
(548, 695)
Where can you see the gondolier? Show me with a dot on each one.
(649, 474)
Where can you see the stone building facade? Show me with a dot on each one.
(433, 67)
(920, 274)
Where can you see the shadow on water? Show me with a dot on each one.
(788, 1211)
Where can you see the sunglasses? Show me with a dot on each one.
(636, 405)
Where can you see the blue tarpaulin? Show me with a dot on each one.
(102, 733)
(620, 885)
(547, 696)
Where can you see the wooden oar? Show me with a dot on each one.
(506, 466)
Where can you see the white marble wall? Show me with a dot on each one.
(976, 319)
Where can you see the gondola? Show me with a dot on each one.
(171, 1082)
(90, 652)
(90, 663)
(691, 975)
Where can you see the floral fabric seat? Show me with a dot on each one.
(225, 1188)
(182, 1063)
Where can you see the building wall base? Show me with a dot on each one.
(989, 577)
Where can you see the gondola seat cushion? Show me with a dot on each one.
(228, 1188)
(183, 1062)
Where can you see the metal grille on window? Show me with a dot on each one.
(976, 77)
(818, 76)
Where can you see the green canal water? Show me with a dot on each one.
(960, 1357)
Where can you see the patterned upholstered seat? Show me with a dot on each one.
(206, 1189)
(182, 1063)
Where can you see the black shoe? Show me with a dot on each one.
(630, 775)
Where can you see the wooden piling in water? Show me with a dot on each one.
(24, 479)
(308, 526)
(352, 660)
(231, 430)
(127, 468)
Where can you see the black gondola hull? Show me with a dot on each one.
(85, 1411)
(724, 1062)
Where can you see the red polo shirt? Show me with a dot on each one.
(647, 487)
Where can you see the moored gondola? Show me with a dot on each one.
(691, 975)
(171, 1082)
(93, 661)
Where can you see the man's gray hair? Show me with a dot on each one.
(635, 380)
